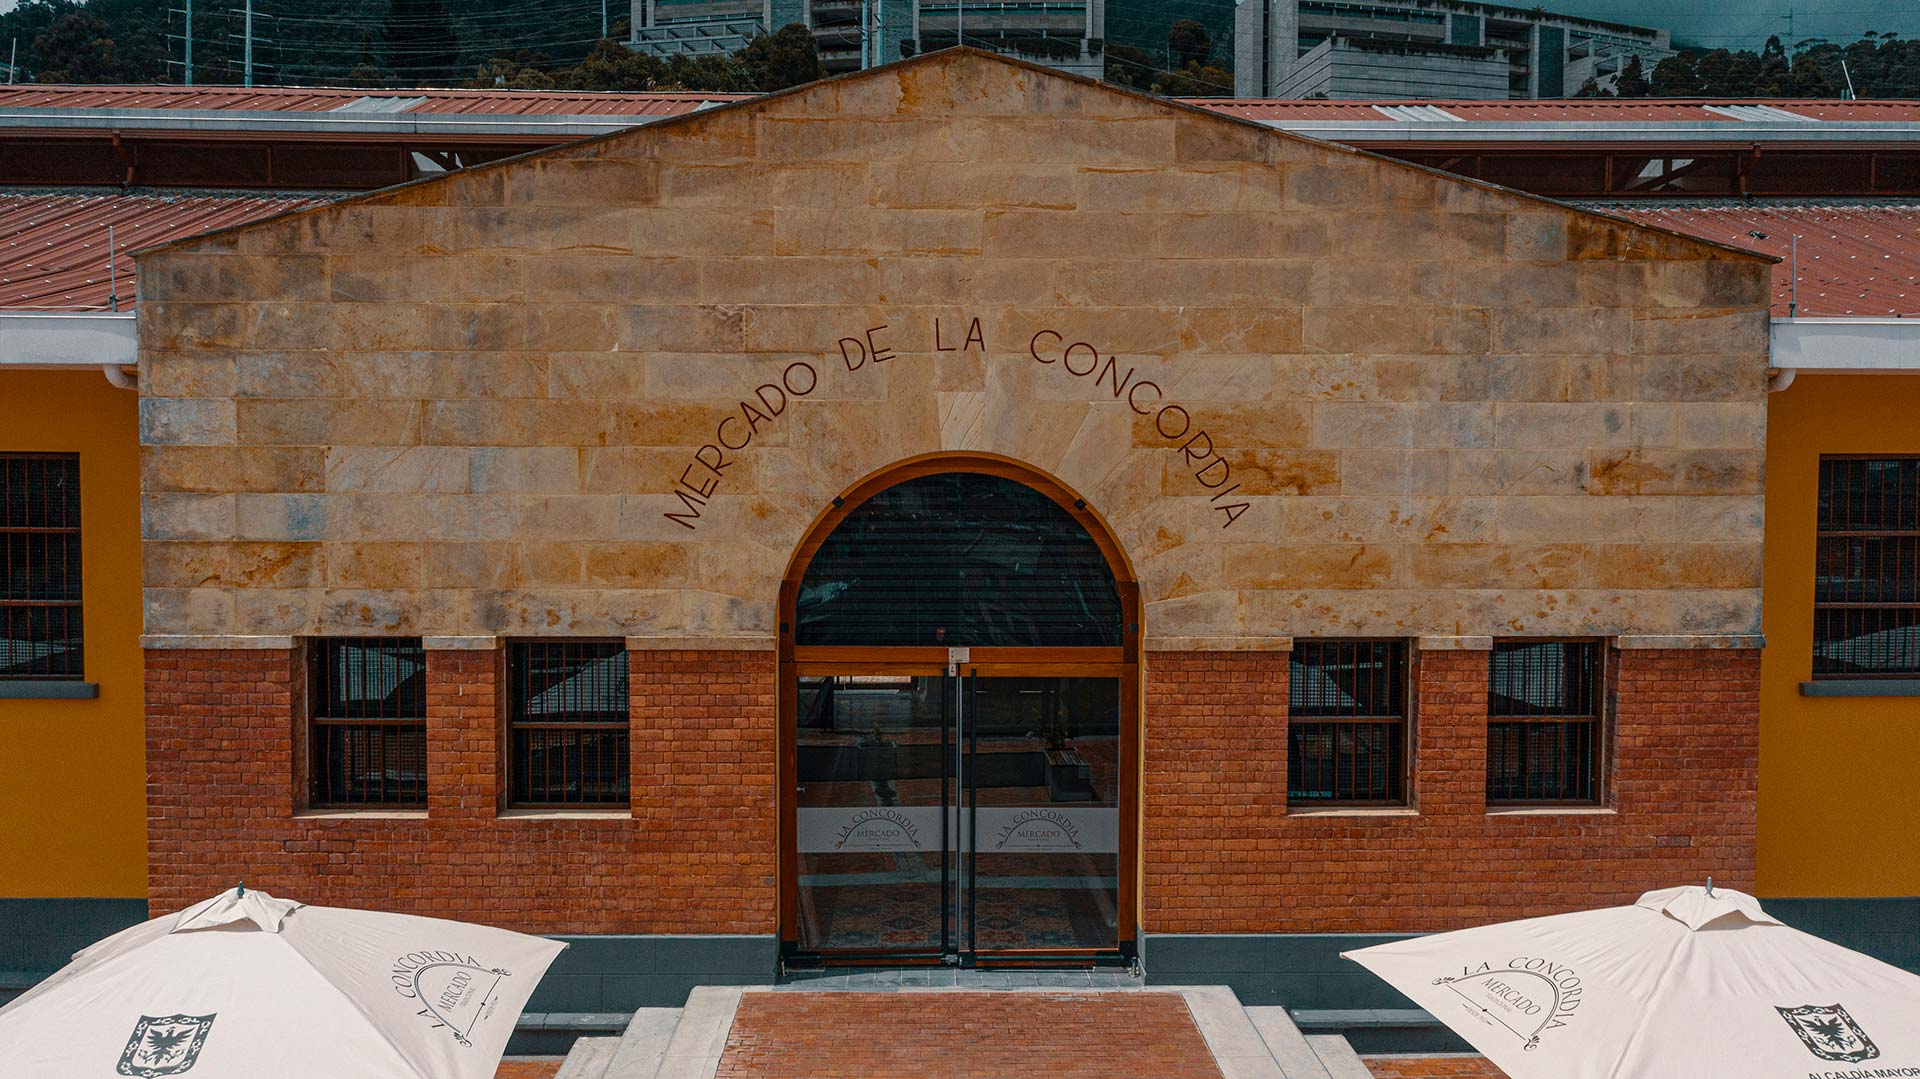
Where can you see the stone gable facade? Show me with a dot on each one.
(606, 389)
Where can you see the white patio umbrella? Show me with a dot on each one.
(246, 986)
(1688, 983)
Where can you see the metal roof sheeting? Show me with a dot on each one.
(53, 247)
(327, 99)
(1579, 110)
(1860, 260)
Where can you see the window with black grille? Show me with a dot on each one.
(1543, 725)
(567, 731)
(1866, 584)
(1347, 723)
(367, 700)
(40, 566)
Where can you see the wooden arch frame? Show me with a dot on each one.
(1123, 662)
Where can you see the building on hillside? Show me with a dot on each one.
(1374, 49)
(850, 34)
(647, 541)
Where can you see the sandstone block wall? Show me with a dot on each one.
(604, 390)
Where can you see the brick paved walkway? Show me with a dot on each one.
(1458, 1067)
(965, 1036)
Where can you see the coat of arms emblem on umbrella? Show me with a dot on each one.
(1830, 1033)
(164, 1045)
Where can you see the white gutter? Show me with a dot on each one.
(67, 339)
(1849, 346)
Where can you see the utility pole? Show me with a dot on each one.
(249, 59)
(603, 18)
(189, 42)
(13, 60)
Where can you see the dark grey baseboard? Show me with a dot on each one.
(39, 936)
(622, 973)
(1887, 929)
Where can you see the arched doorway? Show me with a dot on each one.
(959, 644)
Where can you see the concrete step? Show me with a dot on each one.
(687, 1042)
(639, 1050)
(588, 1059)
(1289, 1047)
(1340, 1059)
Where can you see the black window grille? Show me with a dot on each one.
(1347, 722)
(1543, 726)
(368, 721)
(40, 566)
(567, 733)
(959, 558)
(1866, 584)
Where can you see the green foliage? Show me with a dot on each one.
(784, 58)
(1633, 80)
(1882, 66)
(420, 40)
(518, 44)
(1197, 75)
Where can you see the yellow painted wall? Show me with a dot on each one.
(1839, 804)
(73, 817)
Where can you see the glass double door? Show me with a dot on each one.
(959, 814)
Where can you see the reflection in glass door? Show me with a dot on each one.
(958, 815)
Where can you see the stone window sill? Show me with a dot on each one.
(49, 690)
(1352, 811)
(361, 814)
(1552, 811)
(609, 813)
(1862, 687)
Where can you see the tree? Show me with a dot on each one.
(1776, 75)
(1633, 80)
(1188, 43)
(785, 58)
(1675, 77)
(513, 73)
(76, 48)
(421, 44)
(1128, 65)
(613, 66)
(1591, 88)
(1713, 73)
(1743, 75)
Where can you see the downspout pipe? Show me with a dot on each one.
(118, 376)
(1780, 378)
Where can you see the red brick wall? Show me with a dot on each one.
(697, 854)
(1221, 855)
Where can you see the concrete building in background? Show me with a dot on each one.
(1427, 49)
(1065, 35)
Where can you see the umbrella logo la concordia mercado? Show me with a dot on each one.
(454, 991)
(164, 1045)
(1830, 1033)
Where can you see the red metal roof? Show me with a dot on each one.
(325, 99)
(1579, 110)
(53, 247)
(1860, 260)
